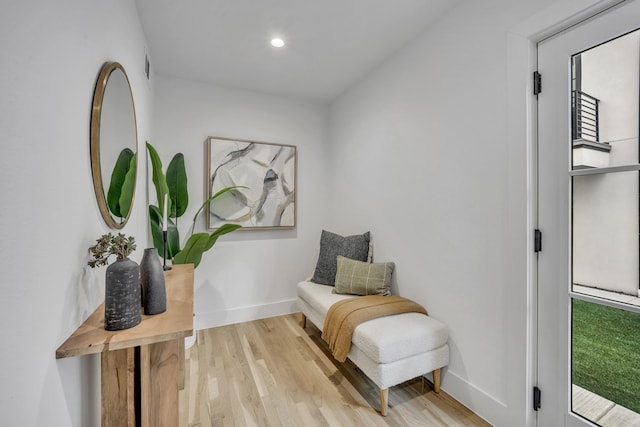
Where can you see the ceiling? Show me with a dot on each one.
(331, 44)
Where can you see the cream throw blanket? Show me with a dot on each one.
(343, 317)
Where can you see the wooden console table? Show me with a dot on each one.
(142, 368)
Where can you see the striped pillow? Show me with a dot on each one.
(363, 278)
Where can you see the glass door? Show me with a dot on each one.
(589, 213)
(605, 324)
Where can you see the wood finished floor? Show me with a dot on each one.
(271, 372)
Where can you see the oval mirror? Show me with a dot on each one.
(114, 141)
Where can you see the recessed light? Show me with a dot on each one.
(277, 42)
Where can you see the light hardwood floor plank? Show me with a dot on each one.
(272, 373)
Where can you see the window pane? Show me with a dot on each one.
(605, 104)
(605, 235)
(605, 364)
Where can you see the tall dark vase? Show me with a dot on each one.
(154, 293)
(122, 295)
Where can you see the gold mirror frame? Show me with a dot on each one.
(96, 127)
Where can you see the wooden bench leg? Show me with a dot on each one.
(436, 380)
(384, 401)
(303, 320)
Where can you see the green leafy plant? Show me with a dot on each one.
(122, 185)
(119, 245)
(174, 183)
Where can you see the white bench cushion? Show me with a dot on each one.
(379, 339)
(319, 297)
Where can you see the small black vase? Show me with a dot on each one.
(122, 295)
(154, 293)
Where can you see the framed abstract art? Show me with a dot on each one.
(266, 175)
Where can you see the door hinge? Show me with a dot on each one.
(537, 240)
(537, 83)
(536, 398)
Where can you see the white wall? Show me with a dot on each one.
(51, 55)
(420, 155)
(610, 73)
(248, 274)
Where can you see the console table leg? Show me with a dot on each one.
(159, 381)
(181, 364)
(117, 371)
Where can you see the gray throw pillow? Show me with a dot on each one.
(331, 245)
(363, 278)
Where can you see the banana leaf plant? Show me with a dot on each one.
(122, 185)
(174, 183)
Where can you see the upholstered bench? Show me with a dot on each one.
(389, 350)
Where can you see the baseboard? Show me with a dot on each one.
(477, 400)
(244, 314)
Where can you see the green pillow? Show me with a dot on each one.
(363, 278)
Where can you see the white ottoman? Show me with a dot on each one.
(389, 350)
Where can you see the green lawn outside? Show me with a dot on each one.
(606, 352)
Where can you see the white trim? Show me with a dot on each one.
(560, 17)
(610, 169)
(212, 319)
(522, 119)
(521, 63)
(597, 299)
(464, 390)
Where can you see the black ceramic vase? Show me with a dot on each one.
(122, 295)
(154, 293)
